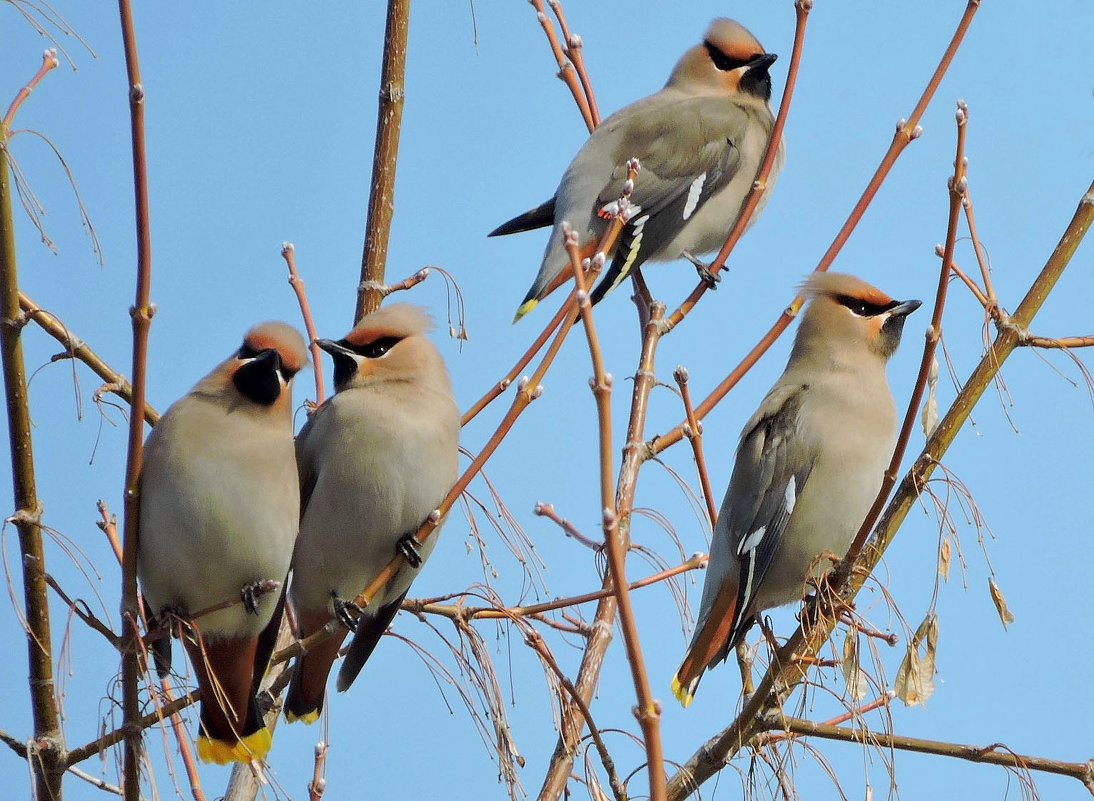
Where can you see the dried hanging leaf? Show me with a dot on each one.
(944, 559)
(596, 792)
(927, 665)
(1000, 602)
(906, 685)
(914, 682)
(930, 407)
(853, 675)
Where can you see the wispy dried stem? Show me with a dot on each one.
(183, 739)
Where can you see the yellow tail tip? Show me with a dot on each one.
(682, 693)
(307, 718)
(253, 746)
(525, 307)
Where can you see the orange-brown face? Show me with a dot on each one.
(386, 345)
(263, 368)
(283, 338)
(849, 309)
(730, 60)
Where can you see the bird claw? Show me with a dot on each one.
(411, 550)
(249, 595)
(708, 277)
(346, 612)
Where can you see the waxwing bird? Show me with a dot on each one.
(219, 510)
(375, 461)
(699, 141)
(809, 465)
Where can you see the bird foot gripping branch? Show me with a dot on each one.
(346, 612)
(706, 275)
(411, 550)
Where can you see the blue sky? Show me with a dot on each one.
(260, 129)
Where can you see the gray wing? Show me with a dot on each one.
(769, 476)
(306, 462)
(687, 159)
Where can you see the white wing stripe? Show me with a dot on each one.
(693, 195)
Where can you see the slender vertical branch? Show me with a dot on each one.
(297, 284)
(381, 201)
(634, 454)
(48, 765)
(648, 711)
(694, 432)
(141, 315)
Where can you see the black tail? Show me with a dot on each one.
(370, 628)
(539, 217)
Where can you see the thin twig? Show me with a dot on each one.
(419, 606)
(100, 744)
(78, 349)
(694, 434)
(994, 754)
(297, 284)
(566, 71)
(49, 62)
(183, 740)
(79, 608)
(648, 711)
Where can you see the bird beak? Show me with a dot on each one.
(346, 362)
(762, 63)
(335, 349)
(905, 308)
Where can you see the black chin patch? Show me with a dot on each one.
(345, 368)
(891, 331)
(258, 380)
(757, 81)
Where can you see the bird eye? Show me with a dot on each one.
(378, 347)
(864, 308)
(721, 60)
(246, 351)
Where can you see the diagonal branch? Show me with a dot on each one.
(717, 751)
(76, 348)
(994, 754)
